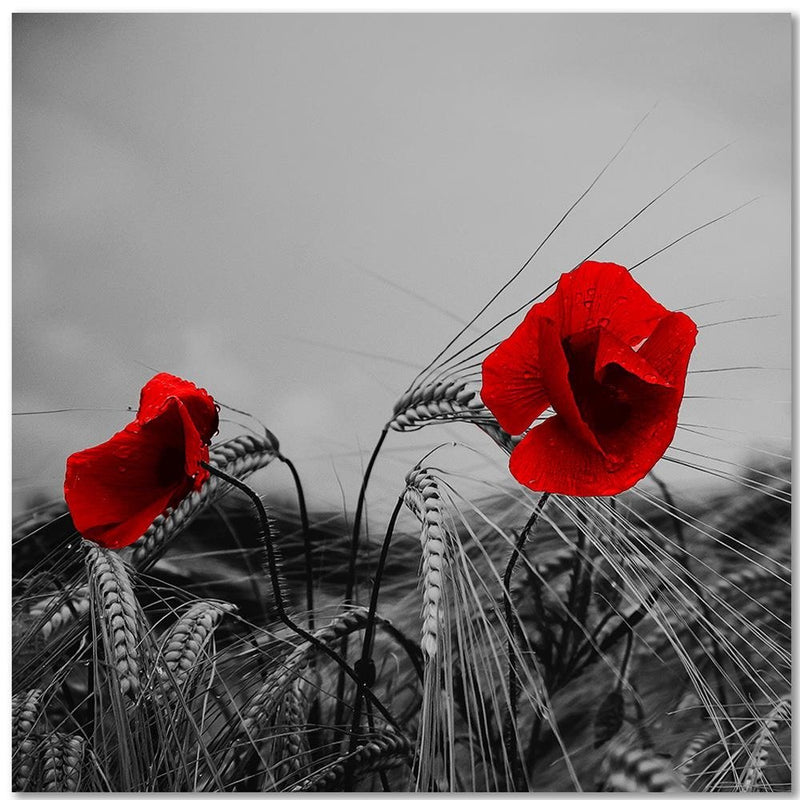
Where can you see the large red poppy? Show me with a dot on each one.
(115, 490)
(611, 363)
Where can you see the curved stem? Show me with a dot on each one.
(269, 565)
(351, 566)
(623, 670)
(365, 662)
(509, 734)
(362, 494)
(307, 553)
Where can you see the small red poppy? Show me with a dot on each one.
(611, 362)
(115, 490)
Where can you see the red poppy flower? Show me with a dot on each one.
(611, 362)
(115, 490)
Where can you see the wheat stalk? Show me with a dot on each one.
(25, 711)
(631, 769)
(422, 496)
(183, 643)
(119, 615)
(239, 457)
(63, 759)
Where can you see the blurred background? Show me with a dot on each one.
(298, 211)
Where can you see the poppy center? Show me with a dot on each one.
(170, 466)
(604, 405)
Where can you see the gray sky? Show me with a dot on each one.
(231, 197)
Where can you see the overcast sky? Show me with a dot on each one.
(244, 200)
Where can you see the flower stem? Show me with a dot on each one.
(351, 567)
(365, 662)
(307, 551)
(270, 568)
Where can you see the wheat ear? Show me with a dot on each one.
(384, 750)
(63, 759)
(437, 402)
(700, 747)
(424, 499)
(264, 701)
(118, 614)
(291, 748)
(262, 706)
(25, 711)
(631, 769)
(238, 457)
(183, 643)
(61, 609)
(765, 740)
(447, 400)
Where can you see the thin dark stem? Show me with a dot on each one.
(641, 724)
(307, 551)
(591, 650)
(269, 563)
(677, 523)
(509, 728)
(365, 663)
(362, 494)
(570, 625)
(351, 566)
(381, 772)
(623, 670)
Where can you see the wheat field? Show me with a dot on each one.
(652, 649)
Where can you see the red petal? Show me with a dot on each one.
(511, 387)
(669, 347)
(611, 350)
(553, 458)
(602, 294)
(201, 405)
(654, 416)
(115, 490)
(555, 377)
